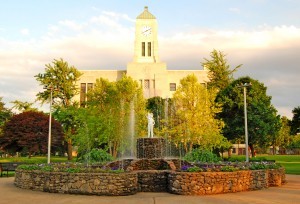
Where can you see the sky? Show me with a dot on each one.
(263, 35)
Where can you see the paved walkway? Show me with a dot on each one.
(288, 193)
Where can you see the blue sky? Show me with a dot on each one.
(263, 35)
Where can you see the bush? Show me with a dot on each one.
(198, 155)
(96, 156)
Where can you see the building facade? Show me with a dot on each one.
(146, 67)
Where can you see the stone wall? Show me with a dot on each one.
(151, 148)
(276, 177)
(152, 181)
(204, 183)
(78, 183)
(184, 183)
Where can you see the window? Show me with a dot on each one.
(89, 88)
(149, 49)
(146, 84)
(141, 82)
(143, 49)
(172, 86)
(82, 94)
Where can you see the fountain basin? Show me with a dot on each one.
(128, 183)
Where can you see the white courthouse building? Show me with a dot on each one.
(146, 68)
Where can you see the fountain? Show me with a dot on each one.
(149, 172)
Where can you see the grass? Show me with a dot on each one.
(32, 160)
(291, 163)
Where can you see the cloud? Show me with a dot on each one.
(106, 41)
(235, 10)
(24, 31)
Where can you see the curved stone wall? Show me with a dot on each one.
(184, 183)
(110, 184)
(205, 183)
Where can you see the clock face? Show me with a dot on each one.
(146, 30)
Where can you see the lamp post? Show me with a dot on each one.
(51, 88)
(245, 85)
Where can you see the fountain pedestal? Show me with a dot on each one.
(151, 148)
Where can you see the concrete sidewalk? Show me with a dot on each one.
(288, 193)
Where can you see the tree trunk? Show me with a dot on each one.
(251, 146)
(70, 149)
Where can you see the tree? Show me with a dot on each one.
(194, 122)
(28, 132)
(220, 75)
(263, 121)
(295, 123)
(284, 138)
(5, 114)
(156, 105)
(60, 79)
(108, 116)
(23, 106)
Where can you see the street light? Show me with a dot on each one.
(245, 85)
(51, 88)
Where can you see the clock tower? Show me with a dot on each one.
(146, 66)
(146, 43)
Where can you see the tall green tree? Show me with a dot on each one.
(5, 114)
(220, 74)
(194, 120)
(109, 110)
(284, 138)
(295, 123)
(60, 78)
(263, 121)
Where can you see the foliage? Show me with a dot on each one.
(59, 80)
(96, 156)
(229, 168)
(263, 121)
(23, 106)
(257, 166)
(295, 143)
(62, 78)
(67, 167)
(201, 155)
(194, 120)
(220, 75)
(28, 132)
(194, 169)
(295, 123)
(157, 105)
(111, 107)
(284, 138)
(5, 114)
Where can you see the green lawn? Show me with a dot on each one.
(291, 163)
(34, 160)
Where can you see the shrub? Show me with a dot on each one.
(194, 169)
(198, 155)
(228, 168)
(96, 156)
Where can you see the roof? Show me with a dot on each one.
(146, 14)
